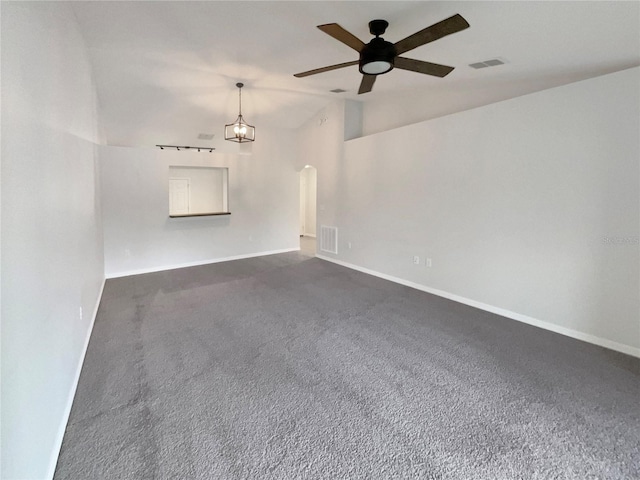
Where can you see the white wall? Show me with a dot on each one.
(530, 206)
(303, 201)
(140, 236)
(308, 178)
(52, 262)
(320, 144)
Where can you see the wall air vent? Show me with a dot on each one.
(337, 90)
(494, 62)
(329, 239)
(205, 136)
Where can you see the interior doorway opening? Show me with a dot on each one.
(308, 194)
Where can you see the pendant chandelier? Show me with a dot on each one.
(239, 131)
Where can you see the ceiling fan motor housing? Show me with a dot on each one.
(377, 57)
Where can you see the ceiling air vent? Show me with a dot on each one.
(337, 90)
(205, 136)
(494, 62)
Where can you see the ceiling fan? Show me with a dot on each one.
(379, 56)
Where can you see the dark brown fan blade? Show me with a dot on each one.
(419, 66)
(340, 34)
(434, 32)
(325, 69)
(367, 83)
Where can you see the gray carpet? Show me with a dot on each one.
(287, 367)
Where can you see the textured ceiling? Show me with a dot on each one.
(166, 71)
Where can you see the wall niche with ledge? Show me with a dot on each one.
(198, 191)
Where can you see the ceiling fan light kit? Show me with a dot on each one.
(379, 56)
(239, 131)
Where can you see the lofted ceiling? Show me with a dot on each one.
(166, 71)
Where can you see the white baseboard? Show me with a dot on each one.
(602, 342)
(53, 461)
(312, 235)
(198, 263)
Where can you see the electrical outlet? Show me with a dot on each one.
(416, 260)
(349, 245)
(428, 263)
(80, 312)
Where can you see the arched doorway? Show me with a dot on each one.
(308, 192)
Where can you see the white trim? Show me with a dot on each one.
(602, 342)
(198, 263)
(312, 235)
(55, 453)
